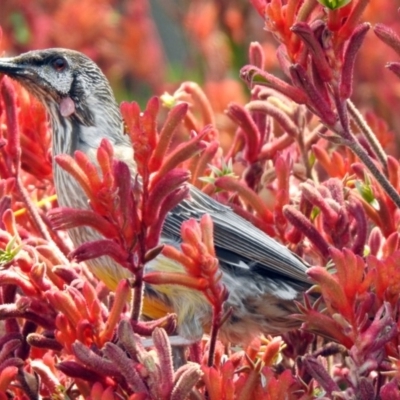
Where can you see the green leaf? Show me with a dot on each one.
(314, 213)
(366, 192)
(9, 253)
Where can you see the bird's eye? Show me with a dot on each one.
(59, 64)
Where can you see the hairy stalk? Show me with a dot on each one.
(368, 134)
(138, 268)
(137, 294)
(315, 135)
(304, 155)
(37, 220)
(350, 141)
(213, 337)
(217, 321)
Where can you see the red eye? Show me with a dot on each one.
(59, 64)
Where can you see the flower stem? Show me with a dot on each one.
(343, 130)
(368, 133)
(216, 324)
(137, 294)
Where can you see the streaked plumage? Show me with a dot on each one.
(262, 276)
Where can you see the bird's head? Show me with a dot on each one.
(60, 78)
(74, 90)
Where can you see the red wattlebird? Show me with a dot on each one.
(263, 277)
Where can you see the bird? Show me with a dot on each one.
(264, 278)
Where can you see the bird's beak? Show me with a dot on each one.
(9, 67)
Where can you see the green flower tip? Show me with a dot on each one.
(226, 170)
(168, 100)
(367, 193)
(9, 253)
(334, 4)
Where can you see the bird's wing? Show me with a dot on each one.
(237, 241)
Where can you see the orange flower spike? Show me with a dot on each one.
(273, 11)
(126, 214)
(64, 332)
(96, 316)
(149, 121)
(174, 119)
(251, 383)
(249, 130)
(89, 169)
(335, 17)
(121, 298)
(89, 293)
(175, 254)
(340, 164)
(375, 240)
(62, 302)
(131, 115)
(227, 370)
(257, 76)
(191, 232)
(161, 187)
(350, 270)
(289, 11)
(333, 293)
(67, 218)
(324, 159)
(256, 55)
(171, 278)
(39, 278)
(253, 349)
(79, 301)
(14, 278)
(283, 166)
(272, 350)
(213, 382)
(201, 99)
(7, 375)
(105, 161)
(191, 122)
(8, 92)
(204, 161)
(386, 277)
(351, 22)
(278, 388)
(94, 309)
(392, 266)
(47, 255)
(207, 233)
(390, 245)
(85, 332)
(248, 195)
(10, 225)
(183, 152)
(139, 137)
(372, 213)
(315, 321)
(68, 164)
(193, 254)
(97, 392)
